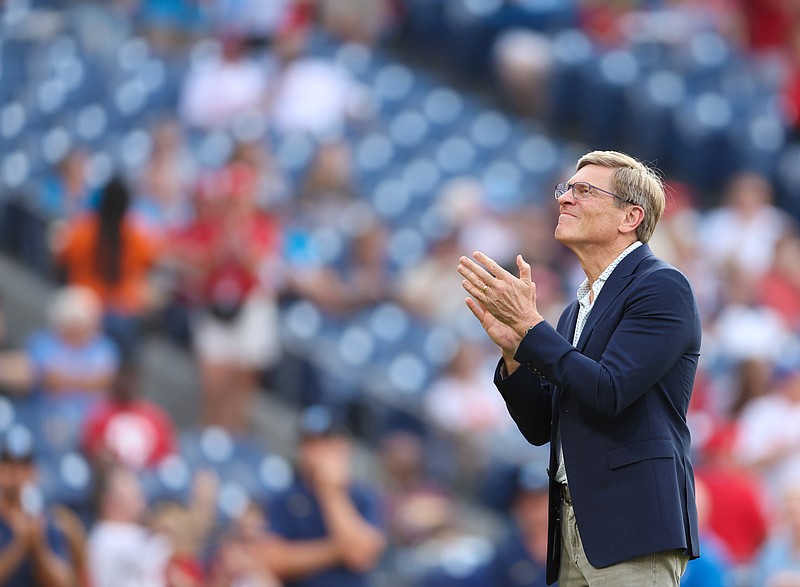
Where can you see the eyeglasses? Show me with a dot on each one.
(582, 190)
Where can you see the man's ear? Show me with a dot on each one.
(634, 216)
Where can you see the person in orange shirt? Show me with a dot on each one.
(106, 251)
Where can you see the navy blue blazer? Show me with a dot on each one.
(621, 398)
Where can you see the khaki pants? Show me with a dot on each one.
(661, 569)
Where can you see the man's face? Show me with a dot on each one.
(593, 220)
(14, 475)
(325, 453)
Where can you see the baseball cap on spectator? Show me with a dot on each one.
(17, 445)
(318, 421)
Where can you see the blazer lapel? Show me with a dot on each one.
(617, 281)
(570, 322)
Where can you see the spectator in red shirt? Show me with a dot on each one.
(126, 428)
(230, 254)
(736, 510)
(767, 24)
(780, 287)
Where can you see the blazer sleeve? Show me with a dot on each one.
(628, 352)
(528, 399)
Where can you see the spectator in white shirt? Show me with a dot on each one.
(122, 551)
(222, 86)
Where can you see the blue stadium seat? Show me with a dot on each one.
(408, 129)
(444, 107)
(55, 144)
(393, 86)
(13, 121)
(134, 149)
(602, 94)
(652, 116)
(574, 56)
(504, 188)
(407, 245)
(706, 154)
(303, 322)
(275, 474)
(171, 480)
(490, 130)
(760, 139)
(788, 179)
(66, 479)
(707, 58)
(423, 177)
(294, 153)
(358, 60)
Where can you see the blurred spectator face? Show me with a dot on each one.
(790, 384)
(75, 314)
(73, 168)
(315, 451)
(369, 248)
(748, 193)
(161, 179)
(791, 505)
(209, 200)
(233, 47)
(402, 456)
(324, 449)
(17, 467)
(523, 60)
(252, 153)
(15, 472)
(123, 498)
(238, 183)
(355, 20)
(787, 257)
(290, 42)
(167, 138)
(331, 171)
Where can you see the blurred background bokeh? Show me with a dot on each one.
(218, 213)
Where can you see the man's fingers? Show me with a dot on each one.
(474, 273)
(492, 267)
(475, 308)
(524, 269)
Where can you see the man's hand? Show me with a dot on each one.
(508, 299)
(27, 529)
(501, 334)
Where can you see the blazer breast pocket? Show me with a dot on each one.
(641, 450)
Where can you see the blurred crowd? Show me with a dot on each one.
(283, 189)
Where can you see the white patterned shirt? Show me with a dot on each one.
(585, 305)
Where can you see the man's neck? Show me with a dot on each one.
(594, 259)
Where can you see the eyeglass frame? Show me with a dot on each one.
(558, 192)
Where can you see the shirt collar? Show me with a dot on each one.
(583, 290)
